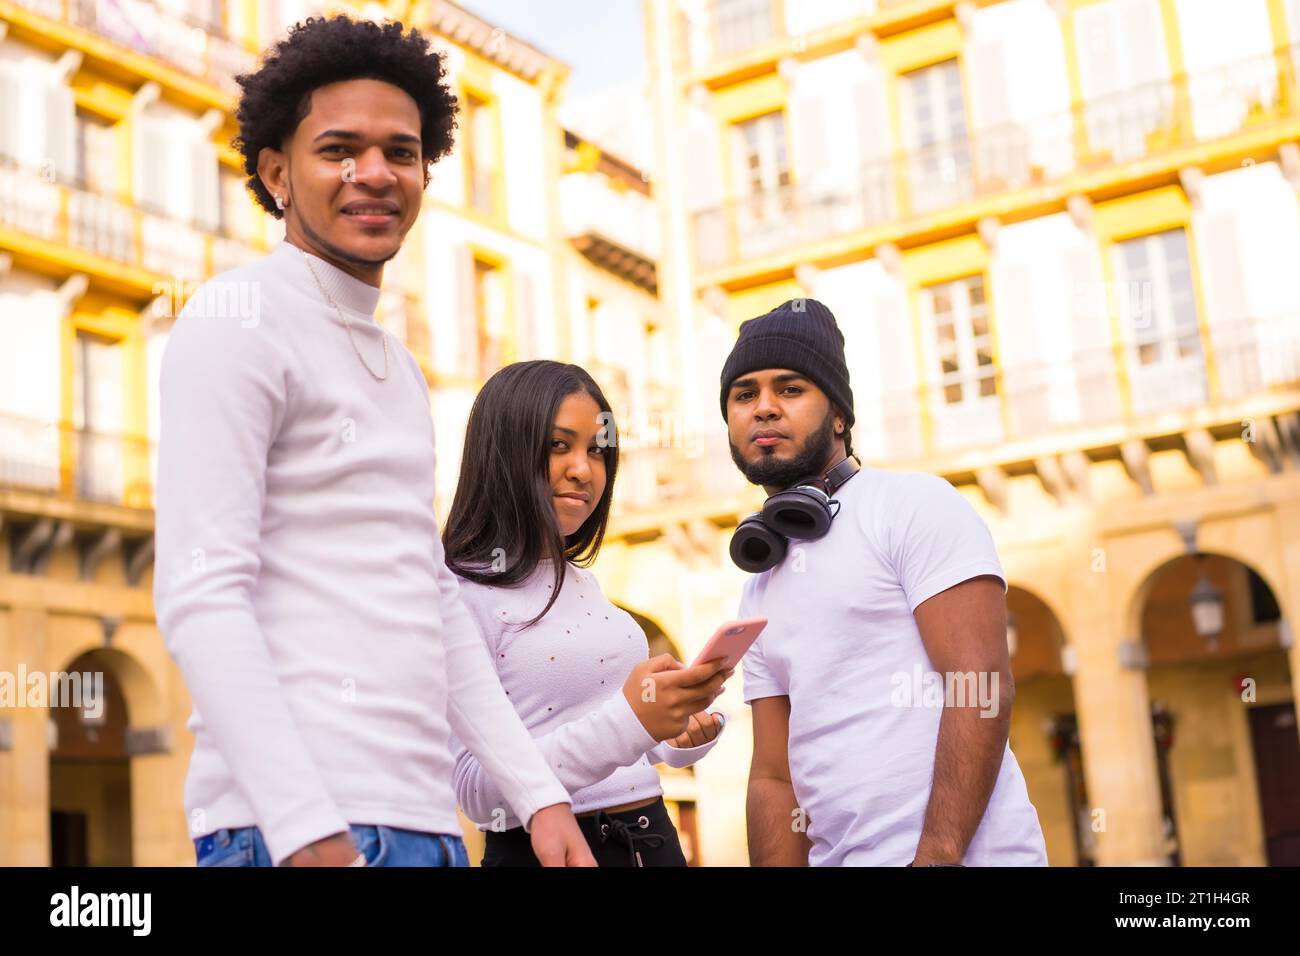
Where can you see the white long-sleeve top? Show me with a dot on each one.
(299, 574)
(565, 677)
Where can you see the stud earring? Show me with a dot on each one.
(279, 203)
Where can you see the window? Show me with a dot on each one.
(1157, 299)
(98, 218)
(762, 177)
(490, 316)
(97, 415)
(764, 164)
(238, 213)
(963, 346)
(934, 115)
(1264, 608)
(741, 24)
(1157, 303)
(480, 154)
(96, 168)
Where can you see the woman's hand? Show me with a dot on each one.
(702, 728)
(664, 694)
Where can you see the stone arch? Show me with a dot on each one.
(1149, 574)
(144, 698)
(658, 639)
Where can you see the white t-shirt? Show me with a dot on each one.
(842, 643)
(565, 677)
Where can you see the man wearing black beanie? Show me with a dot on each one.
(881, 687)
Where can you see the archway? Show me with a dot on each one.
(656, 637)
(1044, 730)
(1223, 704)
(90, 768)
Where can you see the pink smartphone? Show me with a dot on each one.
(732, 640)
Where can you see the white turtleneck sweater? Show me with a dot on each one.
(299, 574)
(565, 677)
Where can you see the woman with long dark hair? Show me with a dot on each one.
(529, 515)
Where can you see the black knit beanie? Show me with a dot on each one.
(800, 335)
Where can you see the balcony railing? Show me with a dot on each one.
(1105, 131)
(109, 226)
(46, 456)
(629, 218)
(197, 47)
(740, 25)
(1087, 389)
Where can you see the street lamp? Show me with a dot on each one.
(1206, 602)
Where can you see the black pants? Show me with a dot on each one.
(641, 837)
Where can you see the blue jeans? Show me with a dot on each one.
(381, 846)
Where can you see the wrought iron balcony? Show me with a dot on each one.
(48, 456)
(200, 48)
(901, 188)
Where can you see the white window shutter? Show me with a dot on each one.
(1102, 72)
(701, 166)
(61, 132)
(206, 185)
(871, 105)
(812, 164)
(1227, 308)
(10, 105)
(29, 144)
(526, 315)
(1097, 38)
(701, 171)
(875, 145)
(466, 314)
(1095, 371)
(1024, 372)
(1221, 270)
(30, 387)
(1002, 155)
(150, 162)
(1124, 69)
(900, 396)
(1142, 28)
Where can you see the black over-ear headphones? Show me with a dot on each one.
(801, 511)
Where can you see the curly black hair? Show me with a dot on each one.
(319, 51)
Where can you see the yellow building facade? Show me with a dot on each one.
(119, 194)
(1057, 237)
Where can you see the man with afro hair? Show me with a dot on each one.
(299, 576)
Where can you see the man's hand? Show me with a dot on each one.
(336, 850)
(703, 727)
(557, 840)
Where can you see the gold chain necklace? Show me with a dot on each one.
(348, 325)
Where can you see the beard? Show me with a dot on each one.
(784, 472)
(339, 254)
